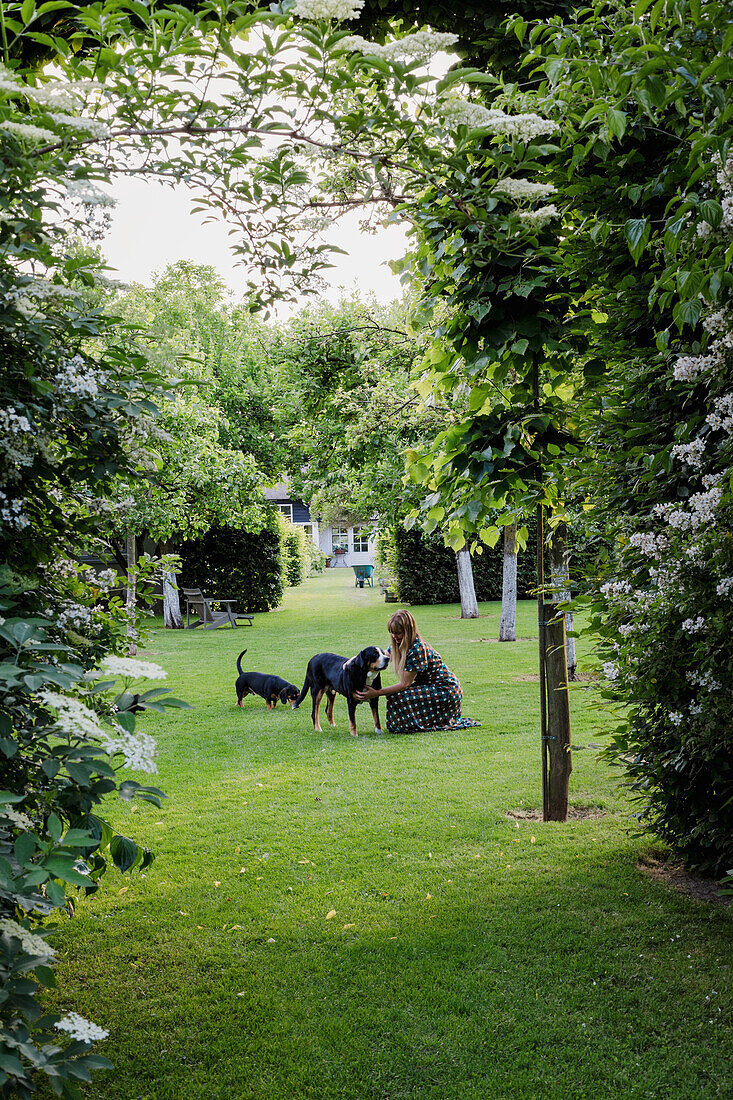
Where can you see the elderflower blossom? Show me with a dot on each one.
(649, 544)
(328, 9)
(17, 818)
(535, 219)
(27, 132)
(724, 587)
(34, 945)
(522, 127)
(520, 189)
(133, 669)
(91, 126)
(12, 422)
(694, 626)
(138, 749)
(610, 670)
(614, 589)
(675, 718)
(77, 379)
(72, 716)
(87, 193)
(84, 1031)
(690, 453)
(420, 46)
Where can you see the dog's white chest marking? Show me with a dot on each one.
(371, 675)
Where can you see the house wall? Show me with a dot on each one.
(352, 556)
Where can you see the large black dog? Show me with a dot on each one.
(328, 674)
(269, 688)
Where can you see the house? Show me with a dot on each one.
(343, 544)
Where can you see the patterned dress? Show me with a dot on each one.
(432, 702)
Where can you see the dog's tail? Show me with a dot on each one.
(304, 691)
(239, 661)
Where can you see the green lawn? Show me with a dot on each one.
(330, 917)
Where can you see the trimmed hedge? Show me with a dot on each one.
(235, 565)
(427, 570)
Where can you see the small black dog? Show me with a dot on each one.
(270, 688)
(328, 673)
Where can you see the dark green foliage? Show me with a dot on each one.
(236, 565)
(427, 570)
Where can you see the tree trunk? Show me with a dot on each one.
(131, 593)
(558, 716)
(469, 604)
(560, 582)
(507, 623)
(172, 617)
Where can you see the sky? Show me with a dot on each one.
(152, 226)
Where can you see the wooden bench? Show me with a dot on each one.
(210, 618)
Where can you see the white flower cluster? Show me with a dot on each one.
(78, 616)
(73, 717)
(89, 126)
(693, 626)
(106, 578)
(675, 718)
(87, 193)
(17, 818)
(328, 9)
(12, 422)
(521, 189)
(26, 131)
(690, 453)
(651, 545)
(77, 379)
(16, 439)
(132, 669)
(613, 589)
(420, 46)
(725, 179)
(688, 367)
(610, 670)
(84, 1031)
(138, 749)
(535, 219)
(703, 507)
(34, 945)
(705, 680)
(11, 512)
(725, 586)
(522, 127)
(722, 418)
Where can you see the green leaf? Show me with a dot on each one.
(636, 232)
(711, 212)
(124, 851)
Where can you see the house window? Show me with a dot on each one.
(287, 510)
(361, 541)
(340, 538)
(308, 528)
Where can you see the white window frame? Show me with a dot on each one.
(286, 509)
(340, 538)
(361, 541)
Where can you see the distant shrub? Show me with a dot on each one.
(295, 548)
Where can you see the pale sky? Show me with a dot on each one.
(152, 226)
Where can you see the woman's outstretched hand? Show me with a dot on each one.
(367, 693)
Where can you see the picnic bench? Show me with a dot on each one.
(208, 616)
(362, 575)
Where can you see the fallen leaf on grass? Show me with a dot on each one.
(348, 926)
(532, 840)
(123, 890)
(216, 883)
(331, 913)
(238, 849)
(428, 895)
(304, 860)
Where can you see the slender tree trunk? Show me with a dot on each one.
(560, 581)
(469, 603)
(507, 623)
(131, 593)
(172, 617)
(558, 715)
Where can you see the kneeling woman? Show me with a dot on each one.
(428, 695)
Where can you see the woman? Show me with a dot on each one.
(428, 696)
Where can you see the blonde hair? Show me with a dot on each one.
(405, 623)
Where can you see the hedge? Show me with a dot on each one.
(236, 565)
